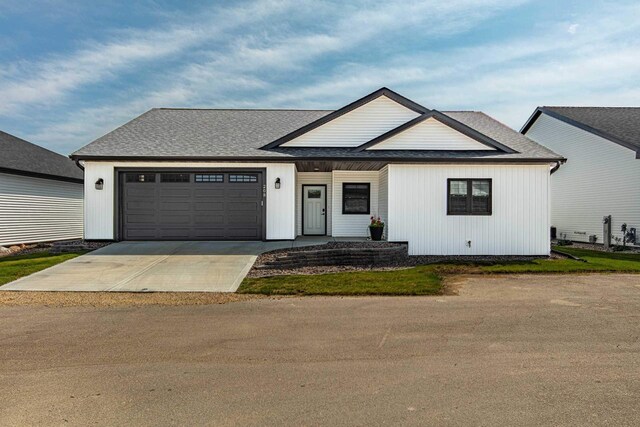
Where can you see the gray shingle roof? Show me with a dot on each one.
(196, 133)
(616, 123)
(24, 157)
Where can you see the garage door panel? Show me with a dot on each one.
(175, 206)
(235, 193)
(141, 218)
(140, 191)
(193, 210)
(213, 193)
(141, 205)
(140, 233)
(212, 206)
(177, 233)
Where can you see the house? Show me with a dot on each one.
(445, 182)
(602, 173)
(40, 194)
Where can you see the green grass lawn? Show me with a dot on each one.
(15, 267)
(427, 279)
(413, 281)
(595, 262)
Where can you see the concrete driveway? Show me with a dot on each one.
(524, 350)
(152, 266)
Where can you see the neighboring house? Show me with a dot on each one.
(602, 174)
(40, 194)
(446, 183)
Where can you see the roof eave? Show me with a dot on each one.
(41, 175)
(281, 159)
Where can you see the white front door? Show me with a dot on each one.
(314, 210)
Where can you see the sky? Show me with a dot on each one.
(71, 71)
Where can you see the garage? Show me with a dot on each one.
(187, 205)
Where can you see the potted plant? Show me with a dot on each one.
(376, 228)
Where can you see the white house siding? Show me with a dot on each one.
(430, 135)
(357, 126)
(312, 178)
(353, 225)
(100, 210)
(38, 210)
(519, 224)
(600, 178)
(383, 197)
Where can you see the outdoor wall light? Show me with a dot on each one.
(99, 184)
(277, 183)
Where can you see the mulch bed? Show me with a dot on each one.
(32, 248)
(408, 262)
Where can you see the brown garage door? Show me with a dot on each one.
(206, 205)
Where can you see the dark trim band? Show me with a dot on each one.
(41, 175)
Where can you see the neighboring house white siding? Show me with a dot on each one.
(312, 178)
(519, 224)
(383, 198)
(100, 209)
(430, 135)
(353, 225)
(357, 126)
(600, 178)
(38, 210)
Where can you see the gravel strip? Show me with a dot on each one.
(118, 299)
(600, 247)
(32, 248)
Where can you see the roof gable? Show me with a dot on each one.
(355, 123)
(620, 125)
(434, 131)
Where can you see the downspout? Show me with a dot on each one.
(82, 167)
(557, 166)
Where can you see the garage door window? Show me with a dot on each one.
(209, 177)
(174, 177)
(141, 177)
(243, 178)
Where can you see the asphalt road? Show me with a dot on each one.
(527, 350)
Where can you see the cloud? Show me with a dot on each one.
(304, 54)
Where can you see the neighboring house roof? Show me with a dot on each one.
(202, 134)
(21, 157)
(617, 124)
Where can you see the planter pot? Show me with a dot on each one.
(376, 232)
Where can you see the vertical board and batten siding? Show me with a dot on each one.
(353, 225)
(312, 178)
(383, 197)
(39, 210)
(600, 178)
(357, 126)
(100, 214)
(519, 224)
(430, 135)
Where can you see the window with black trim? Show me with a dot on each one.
(356, 198)
(209, 177)
(243, 178)
(469, 197)
(174, 177)
(140, 177)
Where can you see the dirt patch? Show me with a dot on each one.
(118, 299)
